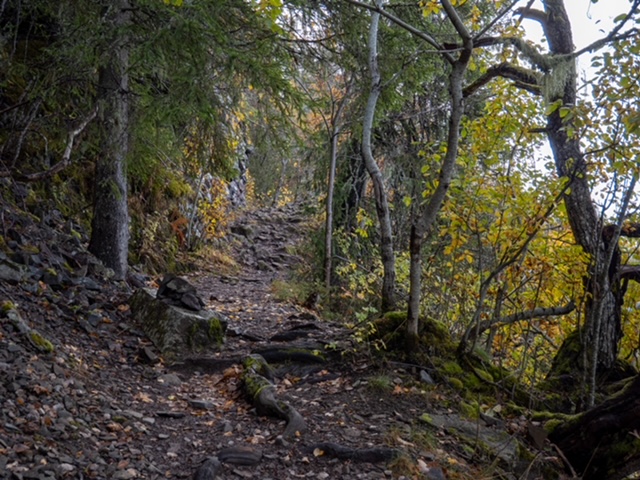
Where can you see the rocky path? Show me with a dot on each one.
(100, 405)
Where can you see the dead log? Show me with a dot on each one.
(263, 396)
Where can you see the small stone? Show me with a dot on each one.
(126, 474)
(202, 404)
(133, 414)
(170, 379)
(426, 378)
(66, 468)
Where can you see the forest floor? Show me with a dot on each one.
(99, 406)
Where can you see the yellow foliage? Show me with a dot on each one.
(216, 213)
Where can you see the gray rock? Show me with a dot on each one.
(499, 443)
(426, 378)
(202, 404)
(179, 292)
(170, 379)
(175, 331)
(10, 271)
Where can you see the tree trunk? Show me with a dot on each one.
(355, 182)
(110, 225)
(334, 132)
(382, 205)
(603, 442)
(430, 211)
(602, 316)
(328, 239)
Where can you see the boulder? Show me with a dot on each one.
(177, 291)
(176, 331)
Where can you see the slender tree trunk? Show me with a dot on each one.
(382, 204)
(328, 239)
(110, 226)
(335, 133)
(429, 213)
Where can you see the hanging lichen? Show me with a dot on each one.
(556, 78)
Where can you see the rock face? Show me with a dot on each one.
(175, 331)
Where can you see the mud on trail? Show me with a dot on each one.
(96, 406)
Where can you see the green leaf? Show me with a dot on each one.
(552, 107)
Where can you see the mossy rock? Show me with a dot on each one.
(175, 331)
(40, 342)
(433, 336)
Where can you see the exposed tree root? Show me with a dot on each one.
(263, 395)
(370, 455)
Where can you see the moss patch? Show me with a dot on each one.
(42, 343)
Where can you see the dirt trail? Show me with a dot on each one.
(93, 408)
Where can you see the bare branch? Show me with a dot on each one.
(533, 14)
(409, 28)
(497, 18)
(520, 316)
(66, 156)
(629, 272)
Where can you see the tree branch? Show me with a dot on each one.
(66, 156)
(456, 21)
(533, 14)
(495, 20)
(528, 315)
(409, 28)
(523, 77)
(629, 272)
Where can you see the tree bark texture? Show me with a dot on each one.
(382, 203)
(602, 326)
(603, 441)
(110, 226)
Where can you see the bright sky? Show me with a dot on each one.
(589, 21)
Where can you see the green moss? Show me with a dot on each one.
(395, 318)
(6, 306)
(381, 383)
(471, 382)
(216, 332)
(41, 342)
(470, 410)
(30, 249)
(482, 354)
(426, 418)
(456, 383)
(452, 368)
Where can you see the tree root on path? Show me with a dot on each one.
(263, 396)
(369, 455)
